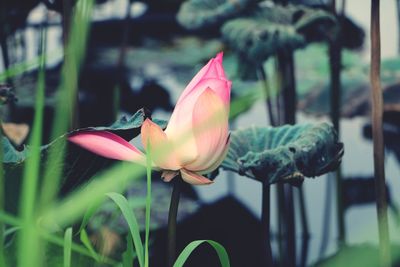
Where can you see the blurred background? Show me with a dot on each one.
(141, 54)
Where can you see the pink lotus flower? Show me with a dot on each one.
(196, 139)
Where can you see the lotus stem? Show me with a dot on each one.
(335, 56)
(267, 90)
(290, 226)
(326, 219)
(304, 251)
(2, 204)
(398, 23)
(288, 87)
(281, 225)
(172, 215)
(265, 224)
(303, 214)
(377, 133)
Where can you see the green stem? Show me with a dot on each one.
(377, 133)
(148, 205)
(281, 225)
(263, 78)
(2, 202)
(172, 215)
(335, 56)
(288, 83)
(265, 224)
(303, 213)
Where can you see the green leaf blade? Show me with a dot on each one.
(130, 218)
(187, 251)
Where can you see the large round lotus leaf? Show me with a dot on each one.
(257, 40)
(195, 14)
(273, 27)
(284, 154)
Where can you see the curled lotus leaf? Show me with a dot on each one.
(126, 127)
(273, 27)
(195, 14)
(284, 154)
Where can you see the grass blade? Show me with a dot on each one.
(66, 99)
(88, 214)
(28, 239)
(128, 255)
(130, 218)
(86, 242)
(67, 247)
(222, 254)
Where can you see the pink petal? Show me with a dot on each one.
(196, 79)
(213, 70)
(220, 68)
(167, 176)
(219, 57)
(210, 124)
(108, 145)
(162, 155)
(219, 160)
(194, 178)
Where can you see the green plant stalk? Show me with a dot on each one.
(172, 217)
(279, 187)
(303, 213)
(266, 223)
(148, 205)
(265, 211)
(281, 225)
(4, 49)
(377, 133)
(64, 117)
(288, 87)
(28, 239)
(67, 247)
(326, 219)
(2, 202)
(398, 23)
(335, 60)
(267, 91)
